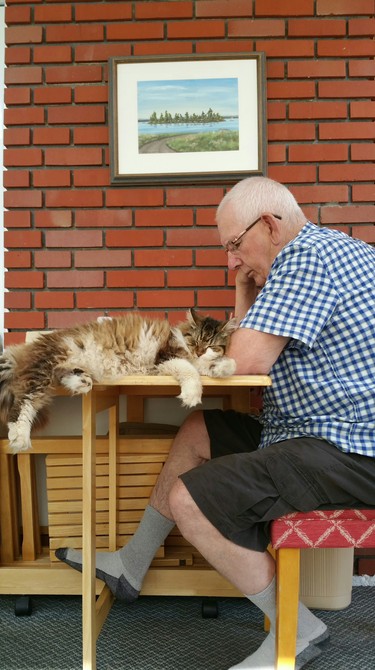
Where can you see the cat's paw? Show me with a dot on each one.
(191, 394)
(19, 438)
(210, 355)
(204, 363)
(77, 382)
(223, 367)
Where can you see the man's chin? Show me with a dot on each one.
(258, 281)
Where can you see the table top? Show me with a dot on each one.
(167, 380)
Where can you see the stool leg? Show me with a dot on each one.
(287, 567)
(267, 623)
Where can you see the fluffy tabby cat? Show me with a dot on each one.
(106, 350)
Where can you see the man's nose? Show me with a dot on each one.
(233, 261)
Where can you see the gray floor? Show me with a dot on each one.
(170, 634)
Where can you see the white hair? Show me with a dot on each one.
(255, 196)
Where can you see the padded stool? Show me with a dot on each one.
(309, 530)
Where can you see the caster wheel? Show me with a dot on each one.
(210, 609)
(23, 606)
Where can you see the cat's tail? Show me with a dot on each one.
(7, 366)
(7, 372)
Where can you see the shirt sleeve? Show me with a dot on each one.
(298, 298)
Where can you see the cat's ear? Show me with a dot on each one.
(193, 316)
(230, 326)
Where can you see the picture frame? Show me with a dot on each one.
(187, 119)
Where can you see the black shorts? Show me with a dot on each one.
(243, 488)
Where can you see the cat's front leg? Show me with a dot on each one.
(213, 364)
(223, 367)
(77, 381)
(19, 430)
(188, 378)
(19, 437)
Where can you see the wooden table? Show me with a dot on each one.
(106, 397)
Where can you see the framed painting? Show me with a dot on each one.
(187, 120)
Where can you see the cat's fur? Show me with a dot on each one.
(107, 350)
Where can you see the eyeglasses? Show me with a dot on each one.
(233, 245)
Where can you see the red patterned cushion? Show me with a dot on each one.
(325, 528)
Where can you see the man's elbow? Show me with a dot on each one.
(245, 367)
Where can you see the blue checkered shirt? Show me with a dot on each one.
(321, 293)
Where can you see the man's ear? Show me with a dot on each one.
(274, 228)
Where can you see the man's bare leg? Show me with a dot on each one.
(123, 570)
(249, 571)
(252, 573)
(191, 447)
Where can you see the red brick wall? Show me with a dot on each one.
(78, 247)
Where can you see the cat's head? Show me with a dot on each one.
(203, 332)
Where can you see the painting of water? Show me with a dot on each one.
(187, 119)
(188, 115)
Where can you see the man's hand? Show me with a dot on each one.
(246, 293)
(242, 279)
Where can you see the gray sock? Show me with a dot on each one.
(123, 570)
(309, 626)
(311, 631)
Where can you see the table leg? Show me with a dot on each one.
(112, 467)
(31, 545)
(88, 530)
(9, 530)
(238, 399)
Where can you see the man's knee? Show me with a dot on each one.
(194, 420)
(176, 496)
(180, 501)
(193, 435)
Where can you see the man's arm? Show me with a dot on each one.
(255, 352)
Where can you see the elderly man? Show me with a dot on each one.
(305, 300)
